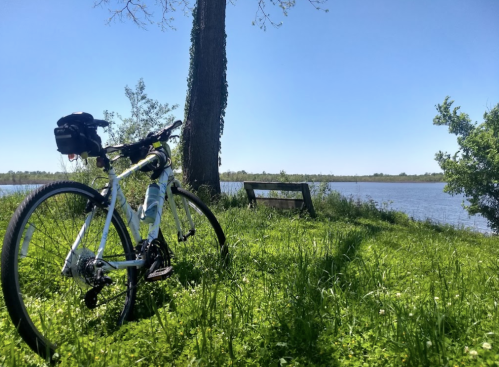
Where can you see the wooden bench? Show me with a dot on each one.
(305, 203)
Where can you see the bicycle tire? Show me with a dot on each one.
(207, 247)
(45, 306)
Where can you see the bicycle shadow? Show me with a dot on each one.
(156, 295)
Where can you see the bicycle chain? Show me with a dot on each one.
(118, 295)
(139, 281)
(121, 293)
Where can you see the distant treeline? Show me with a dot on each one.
(30, 178)
(39, 177)
(286, 177)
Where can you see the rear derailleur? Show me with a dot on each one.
(100, 282)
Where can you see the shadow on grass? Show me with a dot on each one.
(147, 294)
(155, 295)
(301, 321)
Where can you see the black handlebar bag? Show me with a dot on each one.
(76, 134)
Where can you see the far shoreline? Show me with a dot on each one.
(40, 178)
(343, 181)
(348, 181)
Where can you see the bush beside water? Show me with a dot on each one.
(359, 285)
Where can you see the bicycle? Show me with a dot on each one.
(69, 264)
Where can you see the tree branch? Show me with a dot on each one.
(262, 16)
(170, 6)
(137, 11)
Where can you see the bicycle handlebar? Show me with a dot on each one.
(161, 135)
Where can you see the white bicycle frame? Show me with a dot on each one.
(165, 182)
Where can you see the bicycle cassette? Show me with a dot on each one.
(82, 267)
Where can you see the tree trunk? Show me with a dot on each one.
(206, 100)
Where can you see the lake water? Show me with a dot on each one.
(418, 200)
(7, 189)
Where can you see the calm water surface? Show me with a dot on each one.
(418, 200)
(7, 189)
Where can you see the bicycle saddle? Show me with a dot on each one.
(81, 118)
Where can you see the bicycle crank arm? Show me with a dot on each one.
(183, 238)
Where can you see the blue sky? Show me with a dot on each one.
(351, 91)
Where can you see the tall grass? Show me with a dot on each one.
(9, 201)
(359, 285)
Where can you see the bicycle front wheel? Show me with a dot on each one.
(205, 250)
(49, 308)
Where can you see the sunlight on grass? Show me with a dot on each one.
(357, 286)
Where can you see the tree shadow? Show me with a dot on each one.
(301, 322)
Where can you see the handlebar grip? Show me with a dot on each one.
(176, 124)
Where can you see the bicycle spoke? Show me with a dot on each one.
(52, 221)
(53, 230)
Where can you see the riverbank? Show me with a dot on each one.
(27, 182)
(33, 178)
(419, 200)
(285, 177)
(355, 286)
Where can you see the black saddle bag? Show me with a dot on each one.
(75, 136)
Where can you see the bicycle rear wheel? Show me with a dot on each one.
(48, 308)
(204, 251)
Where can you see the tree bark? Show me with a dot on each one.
(206, 99)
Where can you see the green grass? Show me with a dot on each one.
(357, 286)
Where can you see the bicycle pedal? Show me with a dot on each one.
(160, 274)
